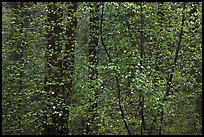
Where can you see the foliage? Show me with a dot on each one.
(102, 68)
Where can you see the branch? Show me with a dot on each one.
(171, 75)
(116, 74)
(176, 54)
(50, 37)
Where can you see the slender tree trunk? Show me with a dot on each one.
(169, 82)
(141, 102)
(93, 60)
(160, 15)
(68, 62)
(116, 75)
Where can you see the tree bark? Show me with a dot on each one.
(53, 76)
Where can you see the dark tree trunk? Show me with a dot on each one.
(68, 62)
(93, 60)
(169, 82)
(59, 72)
(53, 76)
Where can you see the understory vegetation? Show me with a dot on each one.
(101, 68)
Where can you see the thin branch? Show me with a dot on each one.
(143, 125)
(116, 74)
(50, 37)
(171, 74)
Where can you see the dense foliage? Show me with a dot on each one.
(102, 68)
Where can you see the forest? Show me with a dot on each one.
(102, 68)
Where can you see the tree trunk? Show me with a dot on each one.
(169, 82)
(16, 55)
(93, 60)
(68, 62)
(141, 102)
(53, 76)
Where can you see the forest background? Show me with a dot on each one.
(102, 68)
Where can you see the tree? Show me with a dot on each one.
(130, 68)
(58, 79)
